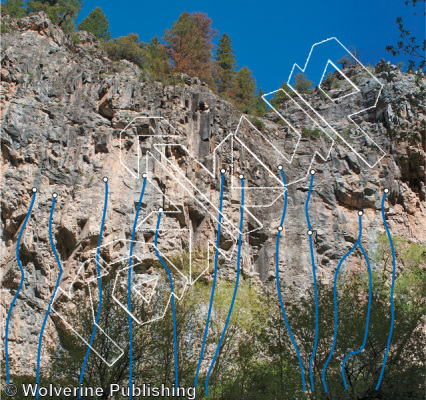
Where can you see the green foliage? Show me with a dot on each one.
(280, 96)
(158, 63)
(311, 133)
(260, 108)
(127, 48)
(188, 45)
(4, 29)
(330, 82)
(245, 90)
(410, 284)
(257, 359)
(346, 61)
(345, 133)
(225, 56)
(225, 66)
(75, 38)
(60, 12)
(259, 124)
(302, 84)
(97, 23)
(355, 79)
(408, 43)
(151, 58)
(14, 8)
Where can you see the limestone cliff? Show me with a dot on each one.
(70, 116)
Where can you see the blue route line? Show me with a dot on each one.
(173, 300)
(278, 283)
(129, 304)
(214, 280)
(6, 337)
(52, 244)
(366, 322)
(392, 288)
(311, 360)
(335, 303)
(235, 290)
(100, 288)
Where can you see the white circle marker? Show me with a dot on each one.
(160, 210)
(55, 195)
(310, 233)
(34, 189)
(105, 179)
(241, 176)
(386, 190)
(222, 170)
(313, 172)
(280, 167)
(360, 213)
(280, 228)
(144, 175)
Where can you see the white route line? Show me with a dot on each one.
(155, 211)
(210, 204)
(110, 364)
(190, 156)
(69, 295)
(239, 140)
(186, 180)
(185, 280)
(137, 175)
(357, 90)
(349, 117)
(135, 288)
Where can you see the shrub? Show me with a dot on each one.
(330, 82)
(127, 48)
(75, 38)
(259, 124)
(311, 133)
(4, 29)
(302, 84)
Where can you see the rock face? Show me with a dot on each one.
(70, 116)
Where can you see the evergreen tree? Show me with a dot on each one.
(14, 8)
(302, 84)
(61, 12)
(260, 108)
(225, 65)
(158, 64)
(127, 48)
(204, 24)
(245, 90)
(97, 23)
(280, 97)
(188, 46)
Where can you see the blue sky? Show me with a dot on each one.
(269, 37)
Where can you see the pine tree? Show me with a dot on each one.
(225, 65)
(188, 46)
(97, 23)
(245, 90)
(14, 8)
(158, 64)
(280, 97)
(204, 24)
(260, 108)
(302, 84)
(60, 12)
